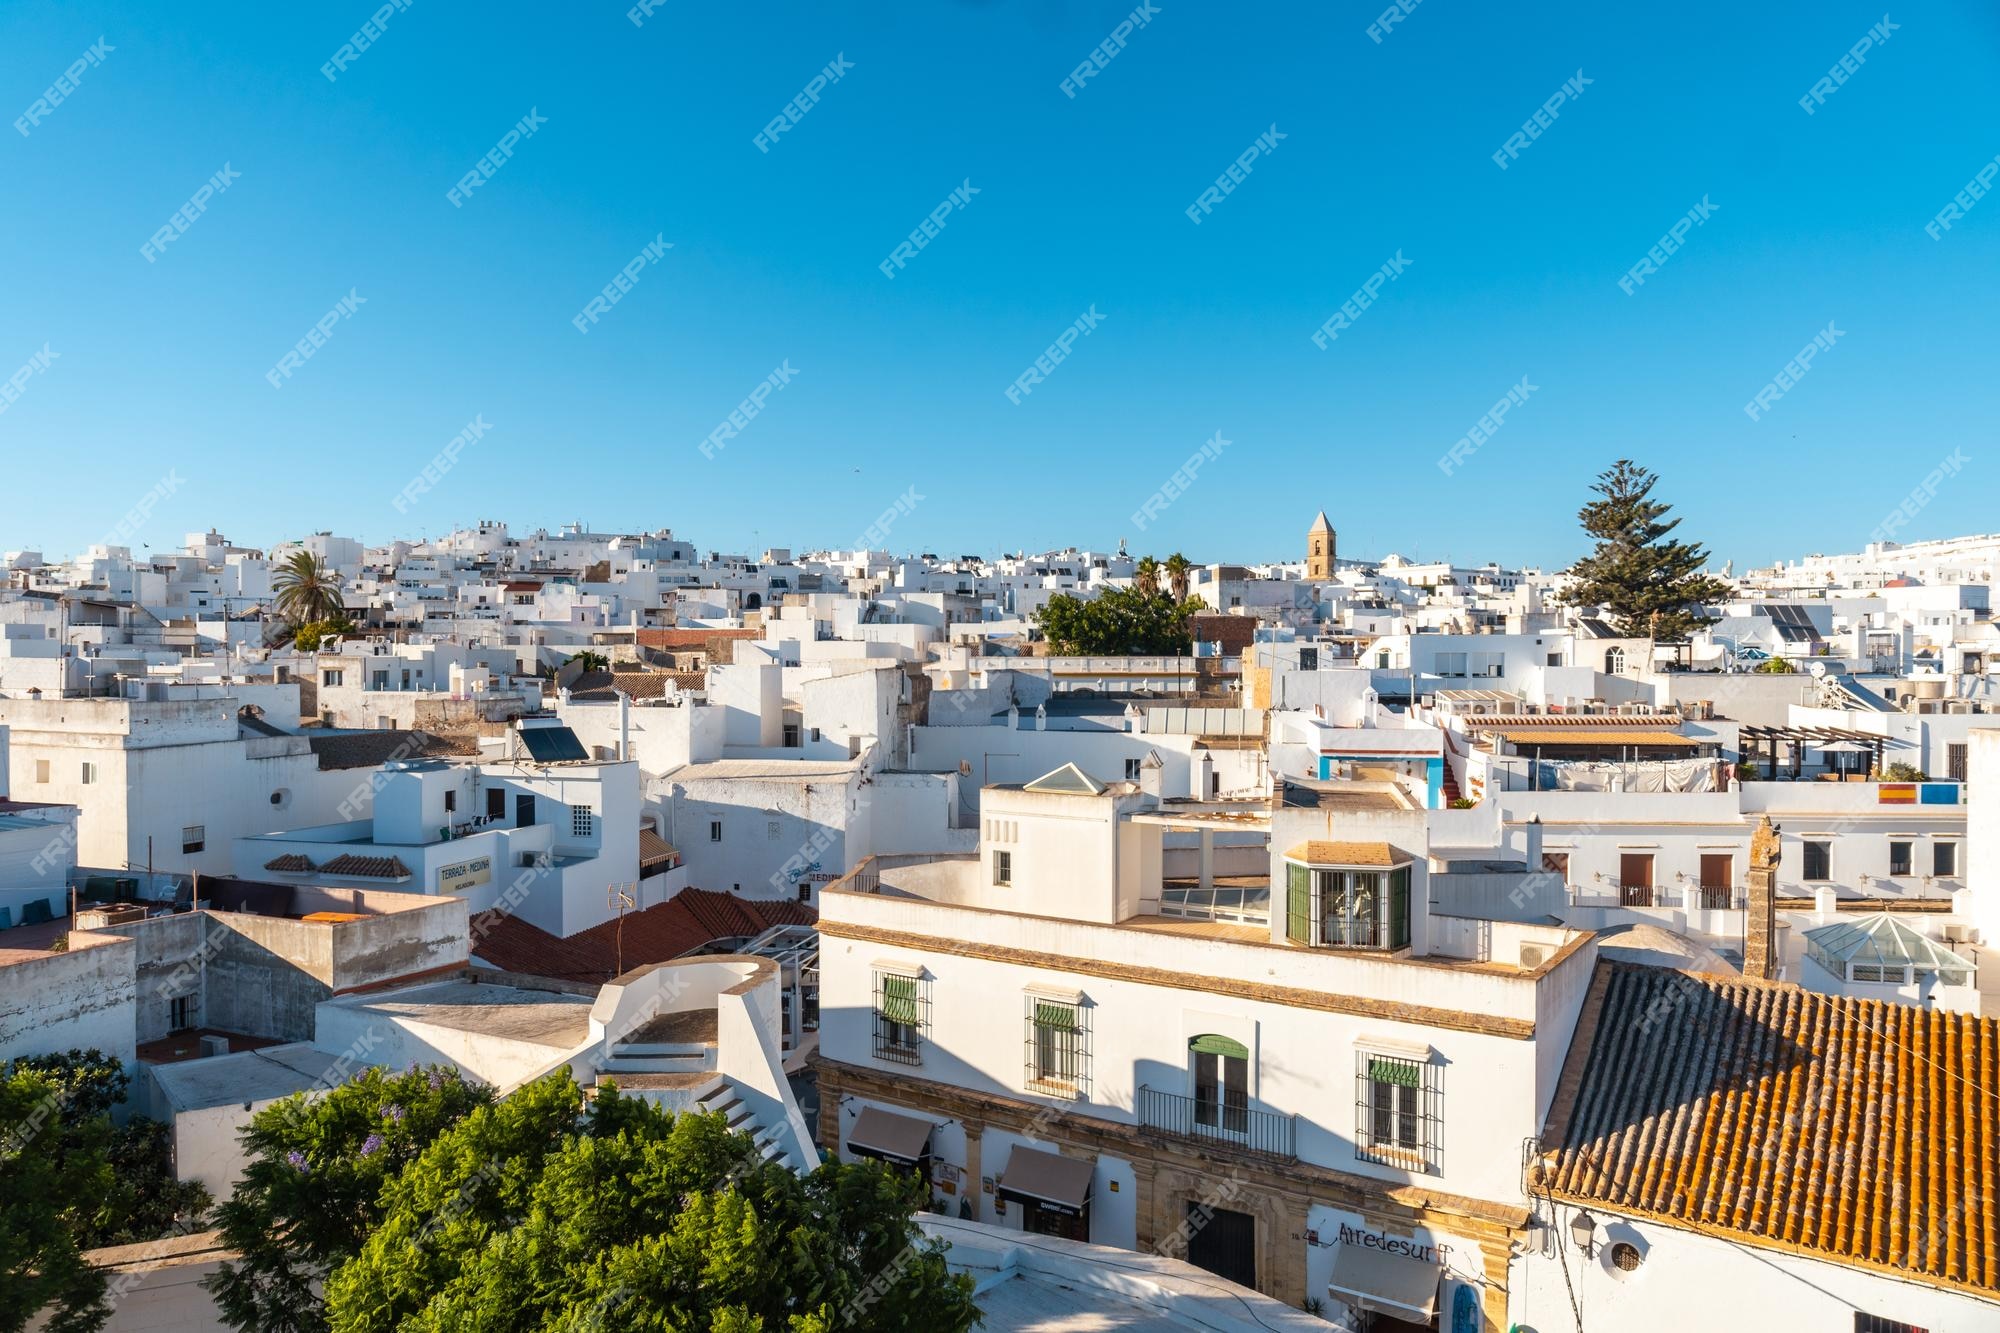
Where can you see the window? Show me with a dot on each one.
(1397, 1121)
(582, 821)
(1899, 858)
(1557, 864)
(1003, 869)
(1308, 659)
(1350, 909)
(1132, 770)
(89, 774)
(815, 733)
(1718, 881)
(1954, 761)
(450, 801)
(1220, 1072)
(41, 770)
(334, 678)
(1058, 1046)
(771, 827)
(1818, 860)
(180, 1013)
(1635, 879)
(902, 1015)
(715, 830)
(1944, 860)
(1875, 1323)
(791, 737)
(193, 838)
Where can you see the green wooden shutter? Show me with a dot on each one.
(1298, 903)
(1402, 1073)
(899, 999)
(1058, 1016)
(1211, 1044)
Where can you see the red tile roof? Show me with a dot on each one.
(292, 863)
(691, 638)
(1855, 1131)
(692, 918)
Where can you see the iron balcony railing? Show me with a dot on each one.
(1218, 1121)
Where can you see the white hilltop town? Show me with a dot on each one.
(1387, 945)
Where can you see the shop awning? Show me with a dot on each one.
(1046, 1178)
(889, 1137)
(1384, 1282)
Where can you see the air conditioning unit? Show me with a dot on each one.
(1534, 955)
(214, 1045)
(1955, 932)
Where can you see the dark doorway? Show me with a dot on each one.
(1223, 1242)
(496, 802)
(524, 811)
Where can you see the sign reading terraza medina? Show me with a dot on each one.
(465, 875)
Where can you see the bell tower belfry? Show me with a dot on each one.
(1320, 547)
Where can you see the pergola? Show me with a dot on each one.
(1755, 739)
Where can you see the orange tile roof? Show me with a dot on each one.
(1596, 736)
(690, 918)
(1345, 854)
(1855, 1131)
(365, 867)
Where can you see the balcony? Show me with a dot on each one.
(1195, 1120)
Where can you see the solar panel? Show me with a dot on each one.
(552, 745)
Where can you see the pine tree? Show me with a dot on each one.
(1653, 587)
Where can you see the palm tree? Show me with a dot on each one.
(307, 589)
(1178, 568)
(1146, 577)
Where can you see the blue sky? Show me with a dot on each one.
(1081, 203)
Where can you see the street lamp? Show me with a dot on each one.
(1583, 1230)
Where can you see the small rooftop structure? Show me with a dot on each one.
(1879, 948)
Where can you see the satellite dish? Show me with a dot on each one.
(1818, 670)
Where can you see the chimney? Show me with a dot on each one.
(1760, 921)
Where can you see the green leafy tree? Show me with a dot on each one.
(311, 1194)
(51, 1196)
(538, 1212)
(1118, 621)
(306, 589)
(1653, 586)
(591, 661)
(308, 637)
(1775, 666)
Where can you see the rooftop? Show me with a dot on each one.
(489, 1010)
(1855, 1131)
(690, 919)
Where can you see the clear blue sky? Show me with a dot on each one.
(1081, 202)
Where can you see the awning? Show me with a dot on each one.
(1053, 1181)
(889, 1137)
(1384, 1282)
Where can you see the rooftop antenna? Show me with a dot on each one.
(619, 897)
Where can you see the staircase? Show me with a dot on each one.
(1451, 791)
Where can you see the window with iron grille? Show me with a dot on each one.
(902, 1016)
(194, 838)
(1058, 1059)
(1875, 1323)
(582, 821)
(1397, 1107)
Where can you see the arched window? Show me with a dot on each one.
(1220, 1070)
(1614, 661)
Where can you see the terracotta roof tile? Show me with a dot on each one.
(291, 863)
(693, 917)
(1856, 1131)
